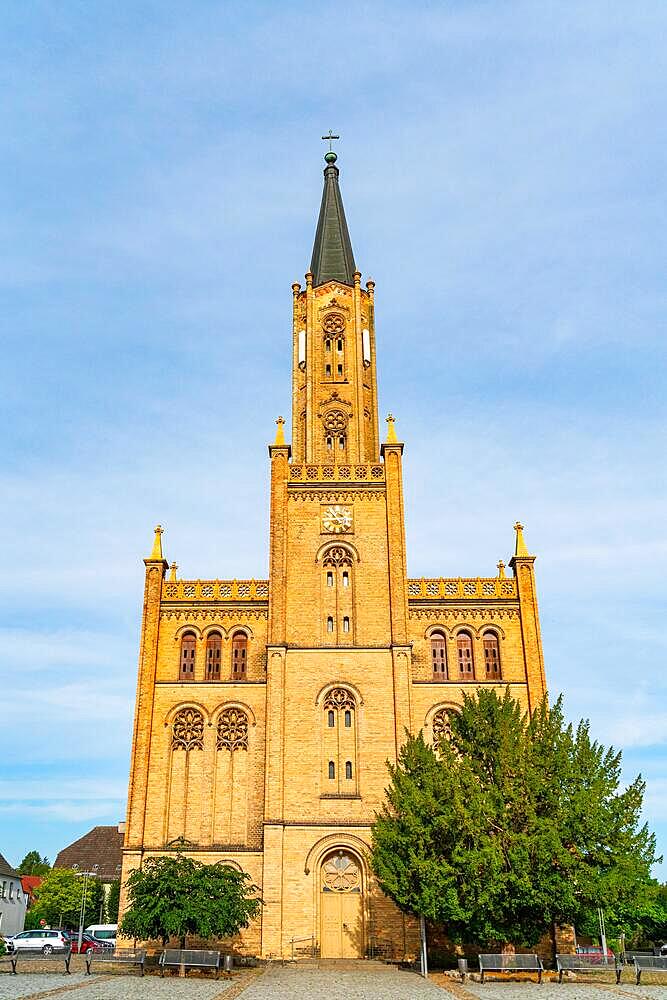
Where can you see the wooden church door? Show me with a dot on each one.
(342, 925)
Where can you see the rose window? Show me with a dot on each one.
(340, 873)
(188, 730)
(335, 421)
(333, 323)
(233, 730)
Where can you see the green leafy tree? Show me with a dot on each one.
(34, 864)
(59, 898)
(113, 900)
(178, 896)
(515, 825)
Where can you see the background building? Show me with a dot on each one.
(13, 900)
(266, 709)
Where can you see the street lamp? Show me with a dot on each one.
(82, 913)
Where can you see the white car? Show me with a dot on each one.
(43, 940)
(104, 933)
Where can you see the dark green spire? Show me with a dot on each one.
(333, 259)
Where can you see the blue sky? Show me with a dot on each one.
(502, 166)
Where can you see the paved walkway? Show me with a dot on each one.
(342, 981)
(324, 981)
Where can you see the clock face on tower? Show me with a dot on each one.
(337, 518)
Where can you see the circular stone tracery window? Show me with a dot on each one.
(340, 873)
(333, 323)
(233, 730)
(335, 421)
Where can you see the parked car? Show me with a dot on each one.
(663, 950)
(88, 943)
(106, 933)
(46, 940)
(594, 951)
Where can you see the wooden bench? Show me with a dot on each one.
(649, 963)
(121, 956)
(587, 963)
(39, 955)
(511, 963)
(189, 959)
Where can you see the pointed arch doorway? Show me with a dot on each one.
(341, 906)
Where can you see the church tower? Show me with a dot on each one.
(267, 709)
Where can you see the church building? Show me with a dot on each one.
(266, 709)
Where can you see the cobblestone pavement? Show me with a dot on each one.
(496, 990)
(344, 981)
(117, 986)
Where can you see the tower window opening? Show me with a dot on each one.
(341, 442)
(331, 720)
(464, 653)
(348, 770)
(346, 624)
(213, 656)
(188, 648)
(340, 345)
(438, 657)
(239, 655)
(329, 578)
(348, 719)
(329, 624)
(329, 443)
(332, 771)
(339, 369)
(327, 369)
(346, 578)
(327, 346)
(491, 656)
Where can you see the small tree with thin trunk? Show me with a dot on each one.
(175, 897)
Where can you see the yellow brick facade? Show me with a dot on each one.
(281, 770)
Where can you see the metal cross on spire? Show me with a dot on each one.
(329, 138)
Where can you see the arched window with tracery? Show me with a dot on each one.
(334, 346)
(465, 656)
(491, 656)
(438, 656)
(232, 729)
(339, 742)
(335, 436)
(186, 765)
(186, 670)
(442, 725)
(187, 731)
(338, 595)
(213, 656)
(239, 656)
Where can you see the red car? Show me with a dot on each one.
(88, 943)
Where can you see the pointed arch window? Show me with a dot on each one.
(465, 656)
(438, 656)
(213, 656)
(239, 656)
(339, 742)
(187, 661)
(491, 656)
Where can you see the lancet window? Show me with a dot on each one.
(491, 656)
(239, 656)
(187, 659)
(465, 656)
(438, 656)
(339, 743)
(213, 656)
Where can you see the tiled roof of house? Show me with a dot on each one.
(30, 883)
(100, 847)
(6, 868)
